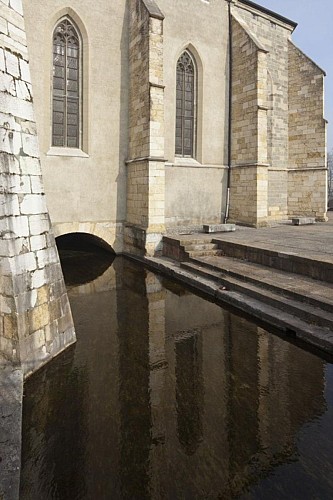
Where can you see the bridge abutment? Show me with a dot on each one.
(35, 316)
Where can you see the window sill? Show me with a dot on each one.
(186, 161)
(72, 152)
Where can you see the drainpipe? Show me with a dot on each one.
(229, 117)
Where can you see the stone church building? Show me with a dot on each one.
(151, 116)
(157, 114)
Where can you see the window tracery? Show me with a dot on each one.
(185, 105)
(66, 85)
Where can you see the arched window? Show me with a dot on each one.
(186, 105)
(66, 88)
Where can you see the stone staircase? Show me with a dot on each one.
(182, 249)
(275, 287)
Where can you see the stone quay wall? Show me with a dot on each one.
(35, 317)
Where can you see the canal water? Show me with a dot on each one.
(169, 396)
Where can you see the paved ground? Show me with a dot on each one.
(313, 241)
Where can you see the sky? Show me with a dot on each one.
(314, 36)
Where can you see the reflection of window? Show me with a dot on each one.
(185, 105)
(66, 85)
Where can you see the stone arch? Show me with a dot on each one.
(107, 236)
(85, 258)
(199, 97)
(87, 238)
(78, 22)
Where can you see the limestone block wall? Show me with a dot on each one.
(138, 84)
(307, 182)
(248, 128)
(273, 35)
(244, 96)
(35, 317)
(145, 166)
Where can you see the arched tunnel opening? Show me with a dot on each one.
(84, 257)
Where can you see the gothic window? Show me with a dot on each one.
(66, 85)
(186, 105)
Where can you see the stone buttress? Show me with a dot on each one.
(278, 131)
(146, 162)
(307, 175)
(249, 173)
(35, 317)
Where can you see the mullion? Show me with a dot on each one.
(66, 96)
(183, 111)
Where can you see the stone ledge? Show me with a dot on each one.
(153, 9)
(302, 221)
(218, 228)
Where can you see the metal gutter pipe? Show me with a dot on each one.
(226, 216)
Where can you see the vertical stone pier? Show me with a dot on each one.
(146, 162)
(35, 318)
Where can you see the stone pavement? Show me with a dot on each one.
(314, 241)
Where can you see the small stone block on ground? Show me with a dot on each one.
(218, 228)
(301, 221)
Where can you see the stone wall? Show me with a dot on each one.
(195, 195)
(145, 166)
(307, 183)
(35, 317)
(248, 128)
(290, 132)
(271, 34)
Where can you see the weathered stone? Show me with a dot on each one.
(301, 221)
(216, 228)
(11, 394)
(29, 261)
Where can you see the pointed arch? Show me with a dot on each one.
(67, 84)
(186, 105)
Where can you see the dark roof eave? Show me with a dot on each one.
(269, 12)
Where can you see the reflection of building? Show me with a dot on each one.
(178, 396)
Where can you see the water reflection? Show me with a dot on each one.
(189, 390)
(167, 396)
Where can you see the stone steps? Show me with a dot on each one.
(292, 286)
(182, 249)
(298, 306)
(204, 249)
(203, 253)
(298, 321)
(192, 247)
(305, 265)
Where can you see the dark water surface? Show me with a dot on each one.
(168, 396)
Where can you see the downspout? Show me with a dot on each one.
(230, 115)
